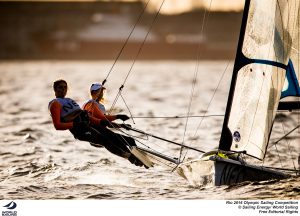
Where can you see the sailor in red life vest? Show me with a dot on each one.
(67, 115)
(97, 110)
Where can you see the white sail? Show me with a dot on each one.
(270, 30)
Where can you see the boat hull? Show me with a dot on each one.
(220, 171)
(228, 172)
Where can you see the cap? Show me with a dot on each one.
(95, 86)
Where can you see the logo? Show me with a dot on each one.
(10, 206)
(236, 136)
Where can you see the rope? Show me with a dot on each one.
(127, 107)
(221, 78)
(126, 42)
(215, 91)
(194, 81)
(166, 140)
(138, 138)
(289, 147)
(286, 134)
(138, 53)
(176, 117)
(160, 160)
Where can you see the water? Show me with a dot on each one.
(38, 162)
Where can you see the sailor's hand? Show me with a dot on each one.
(84, 116)
(81, 120)
(78, 124)
(122, 117)
(126, 126)
(104, 123)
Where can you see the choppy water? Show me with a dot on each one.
(38, 162)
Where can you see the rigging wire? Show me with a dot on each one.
(289, 148)
(286, 134)
(194, 80)
(193, 87)
(138, 53)
(214, 93)
(122, 86)
(138, 138)
(195, 76)
(166, 140)
(155, 158)
(117, 58)
(177, 117)
(127, 107)
(126, 42)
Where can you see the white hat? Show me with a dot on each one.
(95, 86)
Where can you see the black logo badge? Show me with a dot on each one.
(236, 136)
(11, 205)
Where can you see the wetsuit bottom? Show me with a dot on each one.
(84, 132)
(115, 143)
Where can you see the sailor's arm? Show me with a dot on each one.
(94, 121)
(99, 114)
(55, 108)
(103, 122)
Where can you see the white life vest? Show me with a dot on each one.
(68, 106)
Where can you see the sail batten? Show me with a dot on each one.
(267, 39)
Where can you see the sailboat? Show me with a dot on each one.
(264, 73)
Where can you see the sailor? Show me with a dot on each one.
(96, 109)
(95, 106)
(67, 115)
(97, 94)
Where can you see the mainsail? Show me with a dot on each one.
(269, 39)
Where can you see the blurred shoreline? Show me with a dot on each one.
(98, 30)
